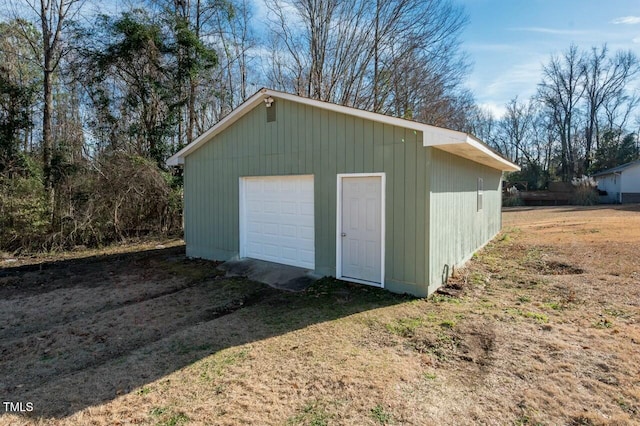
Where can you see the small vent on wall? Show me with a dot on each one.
(271, 112)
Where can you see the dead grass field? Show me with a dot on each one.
(541, 327)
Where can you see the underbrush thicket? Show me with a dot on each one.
(95, 204)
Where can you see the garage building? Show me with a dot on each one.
(621, 183)
(343, 192)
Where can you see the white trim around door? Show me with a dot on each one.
(340, 232)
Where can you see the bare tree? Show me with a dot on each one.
(560, 91)
(517, 127)
(398, 57)
(232, 30)
(618, 109)
(54, 17)
(483, 124)
(21, 67)
(605, 81)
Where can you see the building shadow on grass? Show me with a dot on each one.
(79, 333)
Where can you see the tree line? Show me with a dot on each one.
(93, 102)
(583, 118)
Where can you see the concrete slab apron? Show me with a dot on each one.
(276, 275)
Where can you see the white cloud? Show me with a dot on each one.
(636, 40)
(553, 31)
(494, 90)
(627, 20)
(517, 79)
(496, 110)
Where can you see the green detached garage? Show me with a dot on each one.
(343, 192)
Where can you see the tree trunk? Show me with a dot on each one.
(192, 109)
(47, 110)
(376, 60)
(589, 142)
(193, 83)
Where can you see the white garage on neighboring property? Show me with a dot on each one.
(621, 183)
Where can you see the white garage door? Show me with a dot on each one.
(276, 219)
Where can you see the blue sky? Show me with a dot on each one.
(508, 41)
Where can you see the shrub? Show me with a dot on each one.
(133, 197)
(120, 196)
(24, 221)
(585, 192)
(511, 198)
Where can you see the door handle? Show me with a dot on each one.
(343, 234)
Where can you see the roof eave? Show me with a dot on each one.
(617, 169)
(467, 146)
(178, 158)
(453, 141)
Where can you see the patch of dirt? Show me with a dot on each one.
(68, 317)
(559, 268)
(541, 327)
(477, 342)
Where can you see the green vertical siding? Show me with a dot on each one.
(457, 227)
(432, 223)
(306, 140)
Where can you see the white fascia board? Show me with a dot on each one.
(248, 105)
(508, 166)
(432, 136)
(367, 115)
(462, 144)
(178, 157)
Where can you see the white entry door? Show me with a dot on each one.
(277, 219)
(361, 234)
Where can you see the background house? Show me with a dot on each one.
(340, 191)
(621, 183)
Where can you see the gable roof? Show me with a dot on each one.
(617, 169)
(457, 143)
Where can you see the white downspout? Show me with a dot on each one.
(620, 181)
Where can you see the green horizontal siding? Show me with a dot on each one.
(308, 140)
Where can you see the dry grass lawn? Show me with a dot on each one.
(541, 327)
